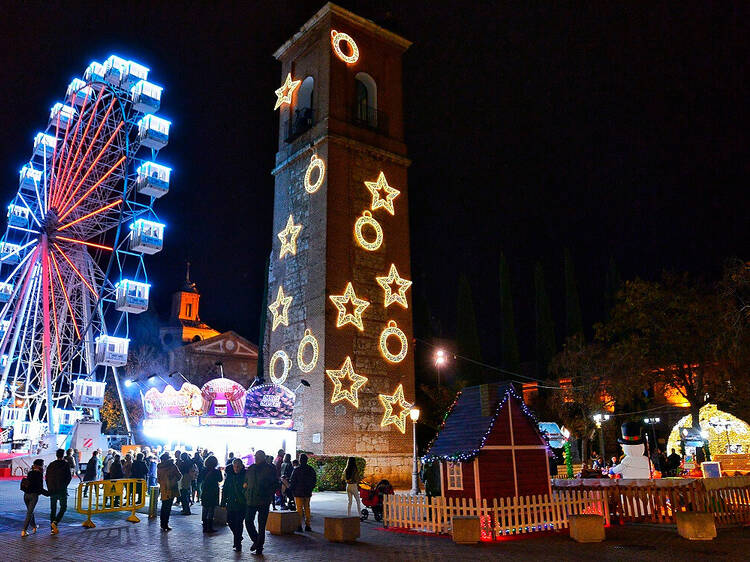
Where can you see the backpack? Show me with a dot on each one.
(25, 484)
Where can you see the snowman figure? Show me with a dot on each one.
(635, 464)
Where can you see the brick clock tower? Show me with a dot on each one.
(339, 278)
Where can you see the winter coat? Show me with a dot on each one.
(210, 493)
(90, 474)
(36, 484)
(198, 462)
(187, 478)
(58, 476)
(233, 493)
(261, 484)
(139, 470)
(168, 476)
(115, 471)
(127, 469)
(303, 481)
(286, 470)
(151, 472)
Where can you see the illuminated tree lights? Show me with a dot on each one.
(280, 354)
(367, 220)
(345, 317)
(390, 194)
(282, 302)
(316, 163)
(388, 402)
(288, 238)
(387, 283)
(337, 377)
(336, 39)
(308, 339)
(393, 330)
(284, 94)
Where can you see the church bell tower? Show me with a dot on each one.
(339, 277)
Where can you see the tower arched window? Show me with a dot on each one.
(366, 100)
(302, 118)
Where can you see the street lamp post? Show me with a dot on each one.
(652, 422)
(440, 360)
(414, 415)
(598, 420)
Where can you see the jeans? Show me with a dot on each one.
(258, 537)
(30, 501)
(166, 509)
(303, 508)
(61, 496)
(353, 492)
(235, 519)
(185, 500)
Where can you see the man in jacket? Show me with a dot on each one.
(260, 485)
(58, 478)
(168, 476)
(233, 498)
(301, 484)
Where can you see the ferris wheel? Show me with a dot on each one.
(71, 259)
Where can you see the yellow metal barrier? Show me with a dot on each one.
(107, 496)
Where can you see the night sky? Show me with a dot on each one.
(614, 131)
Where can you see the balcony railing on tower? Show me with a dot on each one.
(370, 118)
(299, 123)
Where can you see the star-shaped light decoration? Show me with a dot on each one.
(388, 402)
(282, 302)
(288, 238)
(387, 283)
(390, 194)
(346, 317)
(284, 94)
(338, 376)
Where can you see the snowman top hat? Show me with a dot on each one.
(631, 434)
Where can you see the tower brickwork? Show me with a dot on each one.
(342, 110)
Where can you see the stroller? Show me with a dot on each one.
(372, 497)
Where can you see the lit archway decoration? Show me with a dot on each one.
(308, 339)
(388, 402)
(367, 220)
(395, 331)
(336, 39)
(316, 163)
(391, 296)
(280, 354)
(338, 376)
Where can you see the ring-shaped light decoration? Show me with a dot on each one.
(367, 220)
(336, 39)
(310, 340)
(393, 330)
(316, 163)
(280, 354)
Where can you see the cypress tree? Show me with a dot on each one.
(467, 336)
(508, 340)
(573, 322)
(545, 328)
(262, 325)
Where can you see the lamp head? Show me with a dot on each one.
(128, 382)
(414, 414)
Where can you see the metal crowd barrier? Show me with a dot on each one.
(107, 496)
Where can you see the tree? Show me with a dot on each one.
(573, 321)
(545, 327)
(467, 336)
(508, 341)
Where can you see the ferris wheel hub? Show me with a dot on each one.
(50, 224)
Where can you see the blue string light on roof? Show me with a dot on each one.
(466, 456)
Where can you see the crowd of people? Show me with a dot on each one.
(597, 467)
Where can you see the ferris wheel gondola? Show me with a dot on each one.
(71, 258)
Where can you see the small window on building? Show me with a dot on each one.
(196, 339)
(455, 476)
(189, 309)
(365, 100)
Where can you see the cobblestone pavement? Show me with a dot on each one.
(116, 539)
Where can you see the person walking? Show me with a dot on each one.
(302, 483)
(91, 471)
(189, 473)
(210, 493)
(352, 477)
(168, 476)
(260, 485)
(32, 485)
(197, 483)
(233, 499)
(286, 474)
(152, 471)
(139, 471)
(58, 477)
(127, 466)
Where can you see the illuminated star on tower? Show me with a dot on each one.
(390, 194)
(387, 283)
(388, 402)
(282, 302)
(345, 317)
(289, 86)
(338, 376)
(288, 238)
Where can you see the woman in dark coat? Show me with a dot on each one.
(210, 493)
(233, 498)
(115, 471)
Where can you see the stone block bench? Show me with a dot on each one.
(282, 522)
(695, 525)
(586, 528)
(465, 529)
(341, 529)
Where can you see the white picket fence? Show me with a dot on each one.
(499, 517)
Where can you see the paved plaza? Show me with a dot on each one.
(116, 539)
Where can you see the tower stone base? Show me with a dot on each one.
(397, 469)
